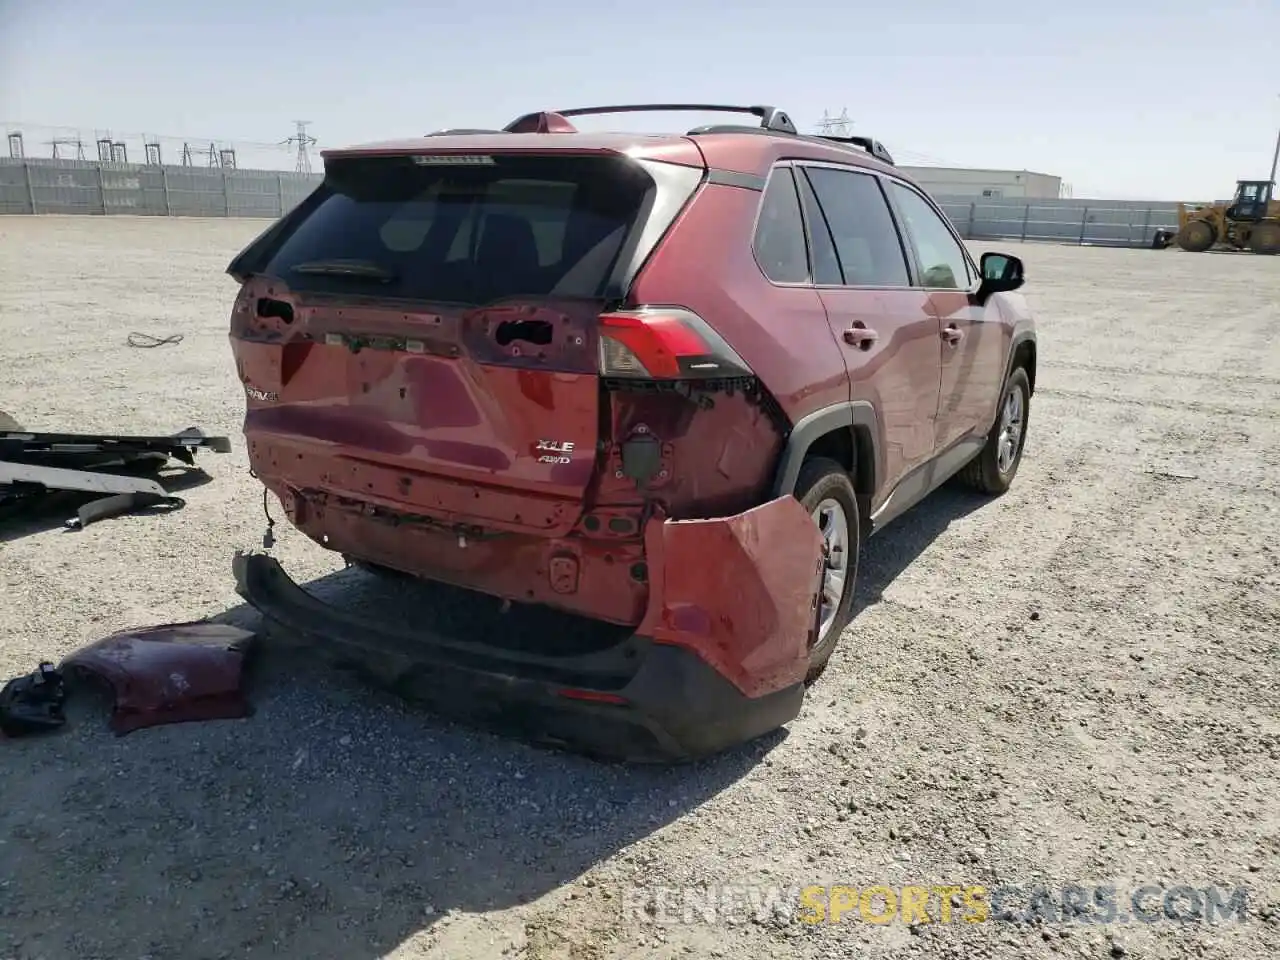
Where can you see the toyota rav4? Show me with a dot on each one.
(669, 383)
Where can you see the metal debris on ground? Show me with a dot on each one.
(173, 673)
(113, 465)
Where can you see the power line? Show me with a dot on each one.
(64, 142)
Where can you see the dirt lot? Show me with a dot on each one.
(1076, 684)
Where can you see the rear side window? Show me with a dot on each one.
(865, 236)
(826, 265)
(779, 240)
(465, 233)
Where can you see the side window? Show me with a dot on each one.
(779, 241)
(941, 257)
(826, 266)
(866, 239)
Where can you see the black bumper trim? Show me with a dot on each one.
(677, 708)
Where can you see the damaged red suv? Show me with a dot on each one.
(667, 382)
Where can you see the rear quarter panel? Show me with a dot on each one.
(706, 264)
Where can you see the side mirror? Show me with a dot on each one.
(1001, 272)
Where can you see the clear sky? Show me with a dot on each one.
(1143, 99)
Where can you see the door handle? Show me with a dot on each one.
(952, 334)
(860, 336)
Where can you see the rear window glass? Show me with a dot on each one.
(465, 232)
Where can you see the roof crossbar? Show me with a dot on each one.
(771, 118)
(873, 147)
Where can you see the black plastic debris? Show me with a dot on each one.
(33, 703)
(116, 473)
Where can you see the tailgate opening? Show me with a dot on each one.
(434, 317)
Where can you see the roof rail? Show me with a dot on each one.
(873, 147)
(771, 118)
(461, 132)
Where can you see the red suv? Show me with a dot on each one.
(668, 383)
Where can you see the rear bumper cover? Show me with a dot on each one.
(645, 701)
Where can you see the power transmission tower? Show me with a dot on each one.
(835, 126)
(303, 140)
(76, 142)
(210, 154)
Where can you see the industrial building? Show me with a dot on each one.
(987, 184)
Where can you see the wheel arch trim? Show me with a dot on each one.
(1019, 338)
(857, 416)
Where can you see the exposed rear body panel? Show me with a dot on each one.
(420, 349)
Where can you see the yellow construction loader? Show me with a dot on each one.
(1251, 221)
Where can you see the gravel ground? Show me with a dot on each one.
(1077, 683)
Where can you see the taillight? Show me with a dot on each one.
(665, 343)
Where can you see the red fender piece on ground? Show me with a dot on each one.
(172, 673)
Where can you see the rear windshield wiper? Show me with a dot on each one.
(363, 269)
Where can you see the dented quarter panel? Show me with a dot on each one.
(804, 369)
(739, 591)
(715, 459)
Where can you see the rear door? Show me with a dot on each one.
(888, 335)
(434, 318)
(972, 334)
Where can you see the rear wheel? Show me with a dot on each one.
(992, 471)
(1265, 238)
(1197, 236)
(825, 490)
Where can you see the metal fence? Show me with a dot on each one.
(79, 186)
(83, 187)
(1113, 223)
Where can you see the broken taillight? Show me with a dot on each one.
(665, 343)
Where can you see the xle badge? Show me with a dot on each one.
(554, 451)
(266, 396)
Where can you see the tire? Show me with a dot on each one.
(1197, 236)
(825, 483)
(984, 473)
(1265, 238)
